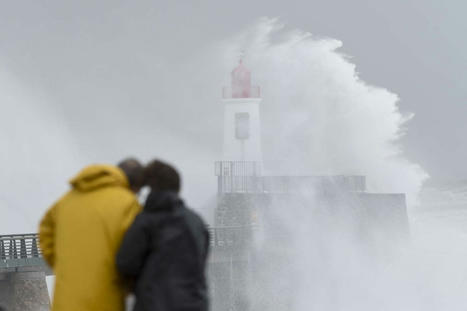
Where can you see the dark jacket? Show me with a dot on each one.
(165, 252)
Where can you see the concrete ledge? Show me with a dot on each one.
(24, 291)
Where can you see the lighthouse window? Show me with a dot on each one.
(242, 125)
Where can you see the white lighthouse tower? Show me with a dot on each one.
(242, 157)
(242, 131)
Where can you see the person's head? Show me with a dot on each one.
(161, 176)
(134, 172)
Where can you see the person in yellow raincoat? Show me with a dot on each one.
(81, 234)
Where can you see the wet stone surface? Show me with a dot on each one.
(25, 292)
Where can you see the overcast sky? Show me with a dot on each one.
(83, 53)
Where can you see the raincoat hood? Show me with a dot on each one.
(98, 176)
(80, 236)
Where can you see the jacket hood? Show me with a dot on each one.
(98, 176)
(158, 200)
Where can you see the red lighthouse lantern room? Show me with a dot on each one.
(241, 82)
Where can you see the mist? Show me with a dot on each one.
(316, 113)
(37, 154)
(318, 118)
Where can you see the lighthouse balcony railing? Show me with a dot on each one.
(250, 92)
(237, 168)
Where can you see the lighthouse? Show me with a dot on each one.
(241, 153)
(242, 131)
(249, 201)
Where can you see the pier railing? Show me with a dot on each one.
(20, 250)
(251, 183)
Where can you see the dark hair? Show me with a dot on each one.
(134, 171)
(161, 176)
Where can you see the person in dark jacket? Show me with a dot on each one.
(166, 248)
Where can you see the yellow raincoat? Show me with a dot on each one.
(80, 235)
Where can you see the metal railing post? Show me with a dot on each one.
(34, 251)
(2, 250)
(13, 252)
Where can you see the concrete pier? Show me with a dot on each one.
(24, 291)
(23, 271)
